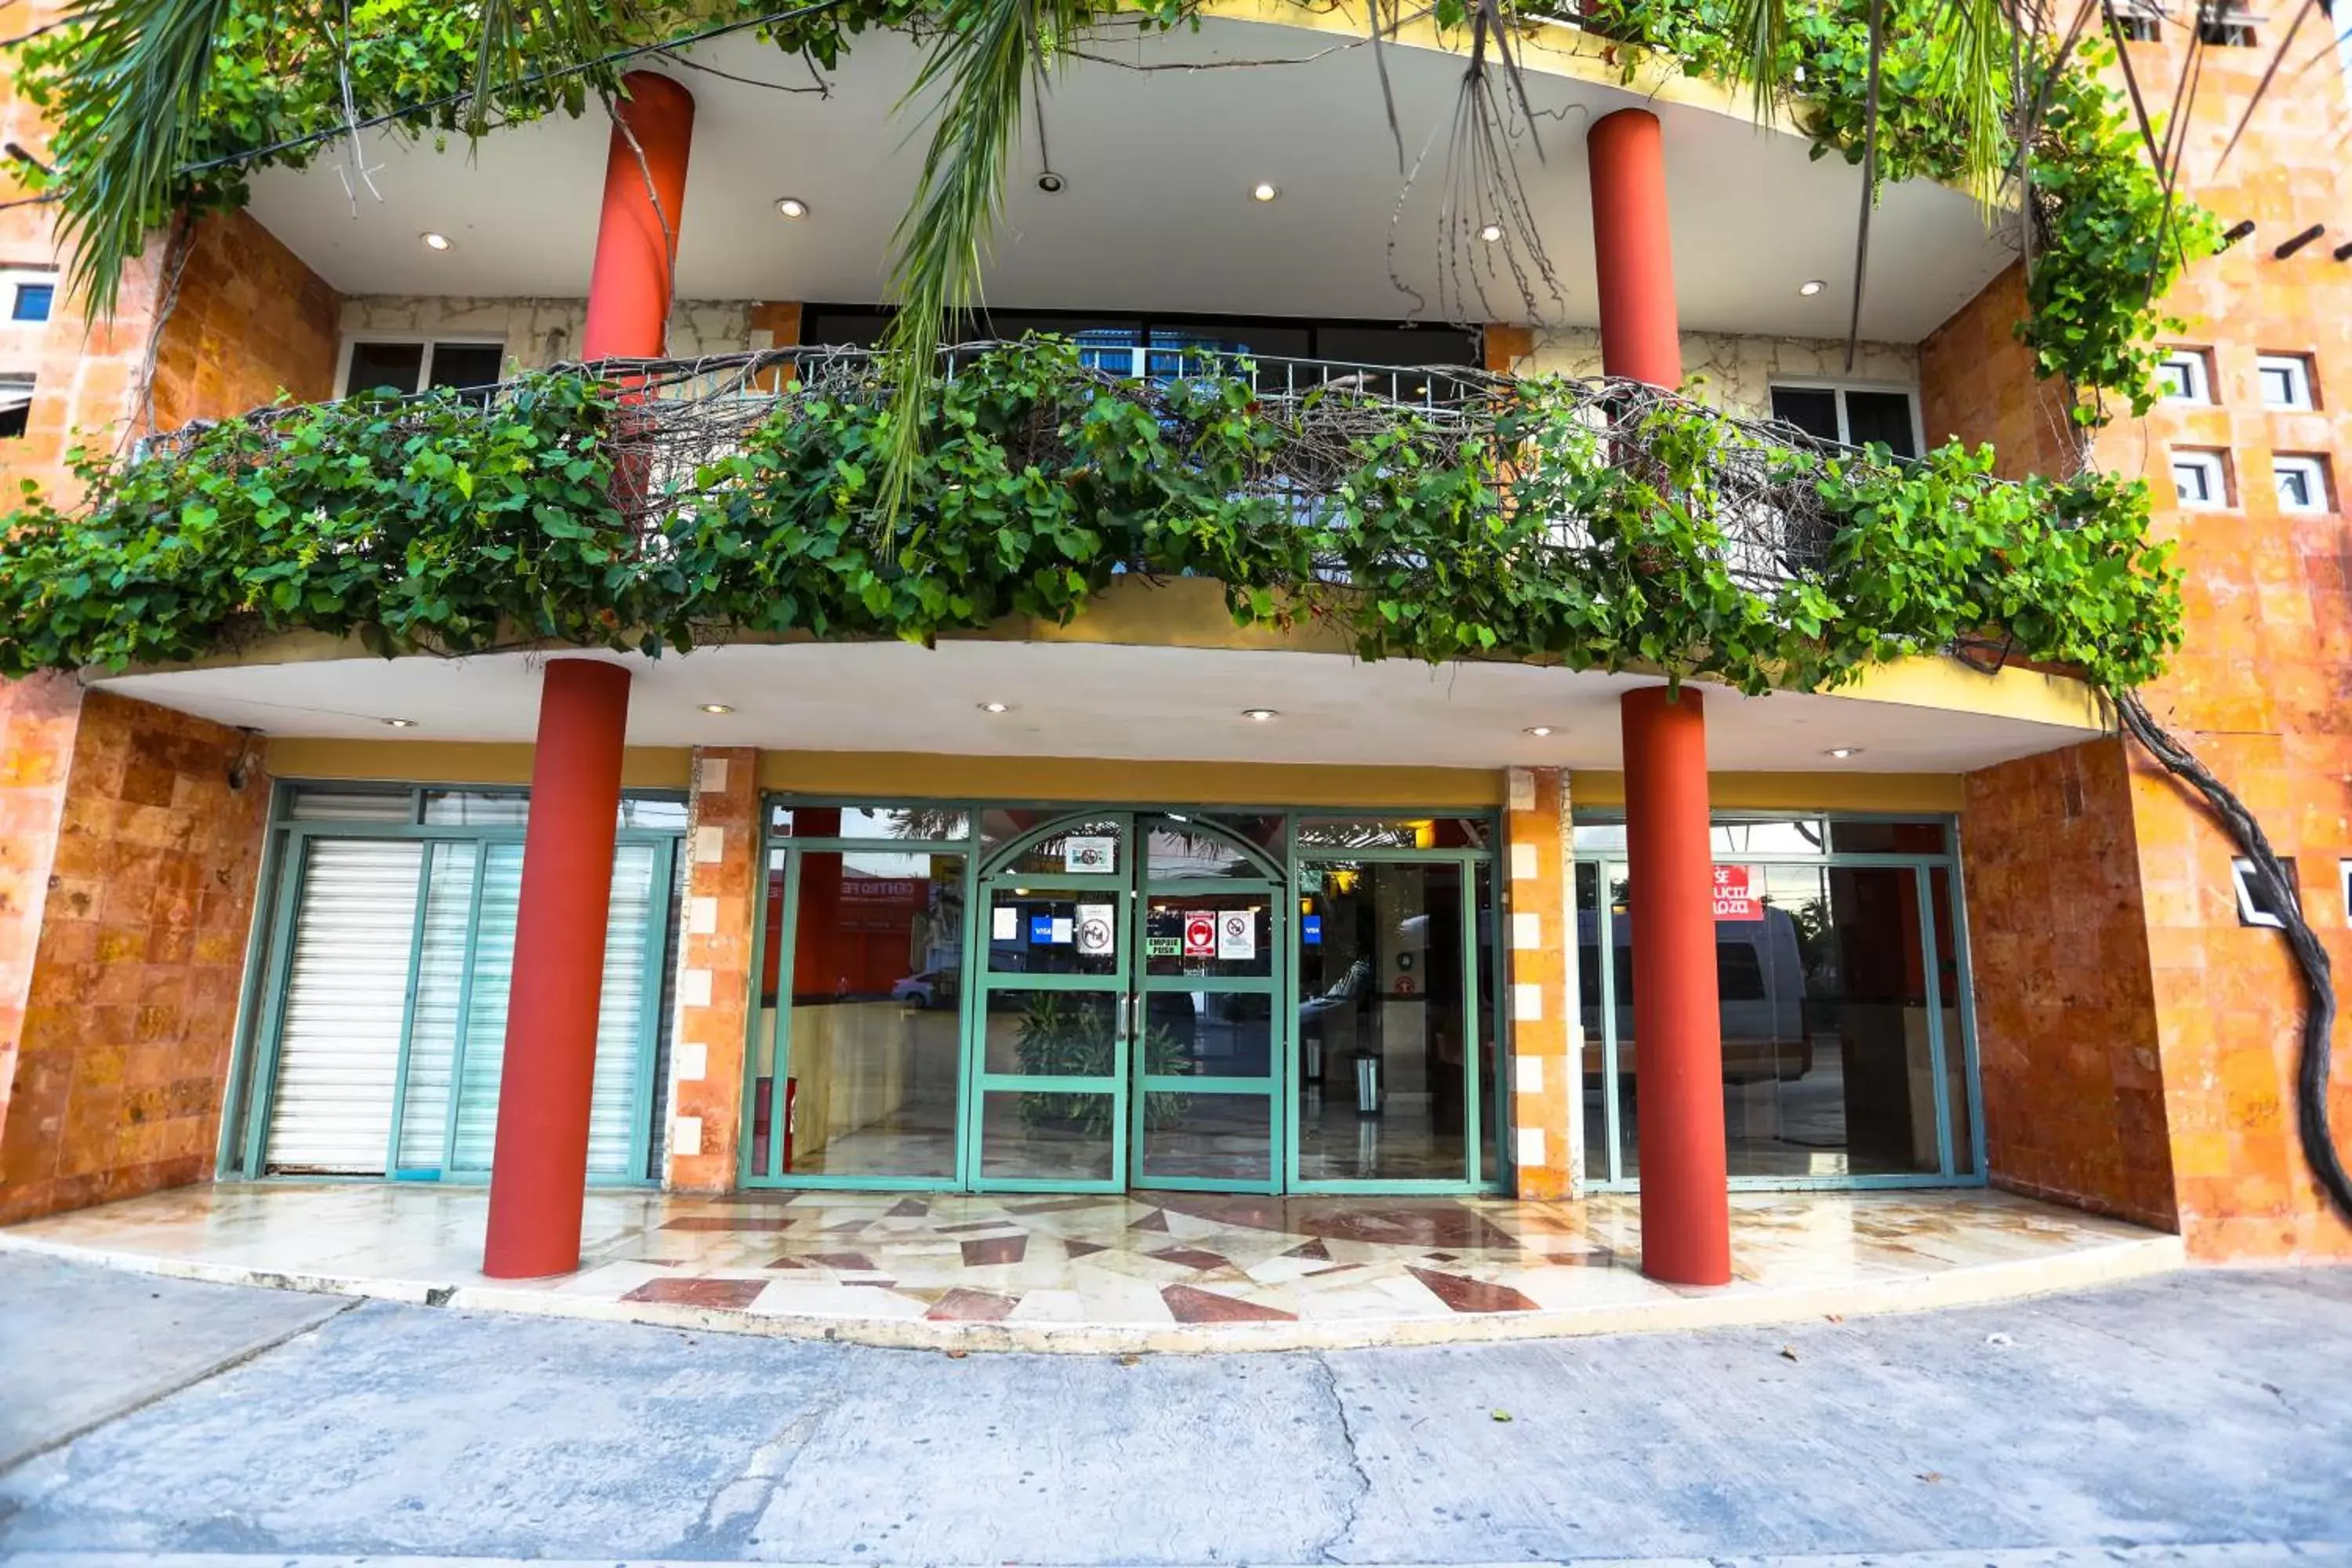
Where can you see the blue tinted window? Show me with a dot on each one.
(33, 302)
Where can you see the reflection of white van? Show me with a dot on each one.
(1760, 979)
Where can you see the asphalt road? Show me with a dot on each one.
(2205, 1418)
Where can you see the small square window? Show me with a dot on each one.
(2185, 375)
(2226, 26)
(2285, 380)
(2302, 480)
(2255, 906)
(33, 302)
(2200, 479)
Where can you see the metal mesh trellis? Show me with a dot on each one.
(682, 417)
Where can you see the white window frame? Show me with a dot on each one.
(430, 340)
(2242, 881)
(13, 280)
(2313, 466)
(2296, 368)
(2196, 368)
(2214, 464)
(1845, 429)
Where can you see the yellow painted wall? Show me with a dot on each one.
(1795, 792)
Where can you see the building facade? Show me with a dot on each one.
(1145, 899)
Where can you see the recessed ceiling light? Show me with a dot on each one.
(718, 708)
(1538, 731)
(1265, 191)
(1842, 753)
(1491, 232)
(1051, 183)
(792, 207)
(402, 723)
(1259, 715)
(435, 241)
(996, 707)
(1811, 287)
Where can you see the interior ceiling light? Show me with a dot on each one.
(1052, 183)
(792, 207)
(435, 240)
(1265, 191)
(1842, 753)
(718, 708)
(400, 724)
(1259, 715)
(1491, 232)
(1811, 287)
(996, 707)
(1538, 731)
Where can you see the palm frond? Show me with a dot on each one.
(978, 72)
(1974, 84)
(150, 61)
(1760, 29)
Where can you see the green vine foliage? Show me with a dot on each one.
(2107, 244)
(449, 526)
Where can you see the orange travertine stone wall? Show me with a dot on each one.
(37, 720)
(715, 979)
(1546, 1090)
(1969, 386)
(2259, 691)
(2065, 1015)
(138, 950)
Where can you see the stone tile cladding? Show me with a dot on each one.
(37, 720)
(131, 1001)
(2066, 1012)
(2259, 689)
(249, 320)
(1545, 1093)
(715, 988)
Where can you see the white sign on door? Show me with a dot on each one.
(1237, 934)
(1096, 929)
(1090, 852)
(1005, 923)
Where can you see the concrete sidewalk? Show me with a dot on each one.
(2202, 1418)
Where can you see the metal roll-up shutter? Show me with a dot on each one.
(441, 995)
(621, 1027)
(346, 992)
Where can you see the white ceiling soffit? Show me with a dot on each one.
(1157, 212)
(1071, 699)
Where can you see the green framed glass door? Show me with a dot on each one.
(1212, 924)
(1050, 1014)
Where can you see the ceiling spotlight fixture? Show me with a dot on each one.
(1538, 731)
(792, 207)
(1052, 183)
(435, 240)
(400, 724)
(1259, 715)
(1811, 287)
(1491, 232)
(1265, 191)
(1842, 753)
(996, 707)
(716, 708)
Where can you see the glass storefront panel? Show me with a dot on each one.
(1216, 1138)
(1183, 848)
(1844, 1054)
(1033, 930)
(1210, 936)
(1035, 1135)
(893, 823)
(1056, 1034)
(1394, 833)
(1486, 1088)
(872, 1046)
(1379, 1018)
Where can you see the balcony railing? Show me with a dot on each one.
(683, 418)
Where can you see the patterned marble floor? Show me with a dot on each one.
(1143, 1271)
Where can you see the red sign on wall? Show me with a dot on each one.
(1735, 894)
(1200, 934)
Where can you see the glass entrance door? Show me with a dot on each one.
(1124, 1009)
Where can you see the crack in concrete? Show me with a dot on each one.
(148, 1398)
(737, 1506)
(1351, 1510)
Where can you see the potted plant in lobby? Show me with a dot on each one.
(1061, 1040)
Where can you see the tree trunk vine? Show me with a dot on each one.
(2319, 1151)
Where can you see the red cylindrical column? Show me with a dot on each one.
(629, 291)
(1633, 248)
(1678, 1029)
(539, 1172)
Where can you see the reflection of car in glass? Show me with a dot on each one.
(926, 988)
(1760, 979)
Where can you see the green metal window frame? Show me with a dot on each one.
(1923, 866)
(980, 859)
(254, 1053)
